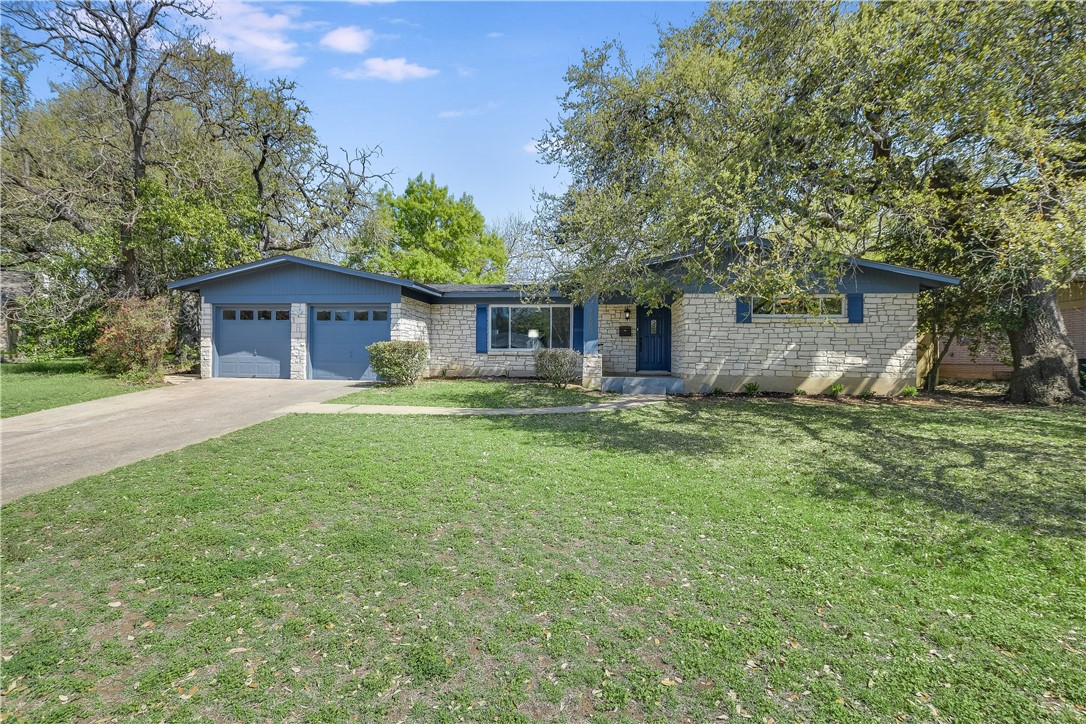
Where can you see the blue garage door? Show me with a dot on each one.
(338, 337)
(252, 340)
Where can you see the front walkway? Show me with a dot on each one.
(625, 403)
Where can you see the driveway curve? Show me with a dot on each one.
(44, 450)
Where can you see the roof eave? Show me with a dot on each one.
(194, 283)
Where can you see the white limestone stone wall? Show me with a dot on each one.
(678, 338)
(207, 314)
(592, 371)
(299, 340)
(410, 320)
(452, 348)
(783, 354)
(619, 353)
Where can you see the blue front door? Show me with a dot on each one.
(653, 339)
(338, 337)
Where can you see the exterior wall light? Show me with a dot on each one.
(626, 314)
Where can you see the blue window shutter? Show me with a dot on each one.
(578, 329)
(855, 308)
(481, 312)
(742, 310)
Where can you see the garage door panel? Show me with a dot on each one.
(339, 337)
(253, 341)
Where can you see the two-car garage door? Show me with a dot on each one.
(254, 340)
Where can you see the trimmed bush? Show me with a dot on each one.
(867, 395)
(910, 391)
(835, 389)
(751, 388)
(399, 363)
(799, 392)
(559, 367)
(134, 337)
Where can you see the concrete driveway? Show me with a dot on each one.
(47, 449)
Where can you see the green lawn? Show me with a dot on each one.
(692, 560)
(471, 393)
(32, 386)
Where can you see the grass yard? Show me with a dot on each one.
(691, 561)
(471, 393)
(42, 385)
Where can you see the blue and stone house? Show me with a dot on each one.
(296, 318)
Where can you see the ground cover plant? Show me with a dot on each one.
(471, 393)
(699, 559)
(32, 386)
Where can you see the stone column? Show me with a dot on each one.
(299, 340)
(592, 371)
(207, 314)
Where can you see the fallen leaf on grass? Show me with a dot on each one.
(238, 650)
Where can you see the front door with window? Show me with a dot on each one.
(653, 339)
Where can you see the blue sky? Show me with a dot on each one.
(459, 90)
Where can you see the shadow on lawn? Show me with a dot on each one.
(1008, 468)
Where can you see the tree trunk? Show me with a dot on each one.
(1045, 366)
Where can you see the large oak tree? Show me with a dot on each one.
(943, 131)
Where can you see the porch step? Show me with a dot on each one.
(643, 385)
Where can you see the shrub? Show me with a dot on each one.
(718, 392)
(910, 391)
(835, 389)
(134, 337)
(867, 395)
(751, 388)
(799, 392)
(557, 366)
(399, 363)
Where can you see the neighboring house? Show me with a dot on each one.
(990, 364)
(297, 318)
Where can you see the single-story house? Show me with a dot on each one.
(301, 319)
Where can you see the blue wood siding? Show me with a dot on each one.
(296, 283)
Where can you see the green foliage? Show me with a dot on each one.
(45, 334)
(135, 335)
(910, 391)
(867, 395)
(427, 235)
(751, 388)
(559, 366)
(835, 389)
(400, 362)
(799, 392)
(945, 134)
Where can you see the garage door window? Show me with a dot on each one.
(282, 315)
(246, 315)
(229, 314)
(264, 315)
(348, 315)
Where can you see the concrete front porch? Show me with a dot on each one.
(643, 385)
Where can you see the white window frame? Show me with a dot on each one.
(511, 307)
(842, 315)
